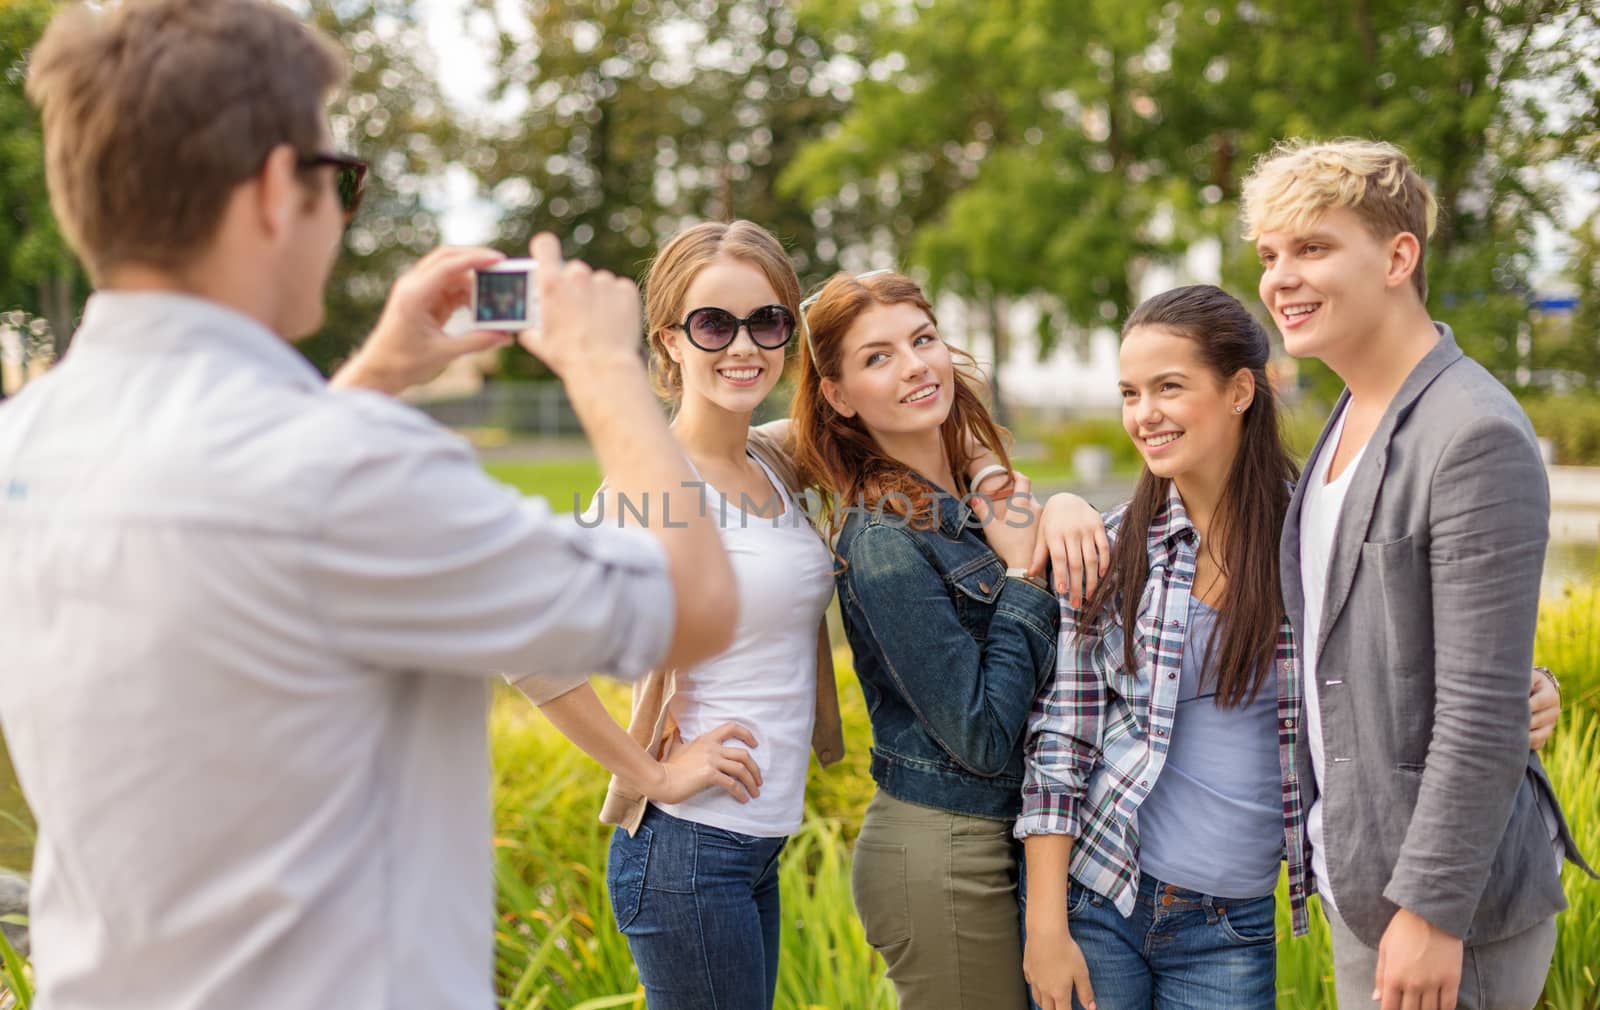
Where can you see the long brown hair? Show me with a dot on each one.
(1249, 516)
(837, 453)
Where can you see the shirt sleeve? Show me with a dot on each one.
(425, 562)
(1064, 731)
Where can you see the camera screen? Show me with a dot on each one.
(502, 297)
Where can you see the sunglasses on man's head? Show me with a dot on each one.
(349, 178)
(712, 329)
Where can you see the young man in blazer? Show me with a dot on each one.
(1412, 554)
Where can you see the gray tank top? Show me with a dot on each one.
(1213, 822)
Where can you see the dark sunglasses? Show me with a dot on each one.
(349, 178)
(712, 329)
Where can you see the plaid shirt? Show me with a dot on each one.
(1099, 733)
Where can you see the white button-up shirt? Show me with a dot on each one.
(246, 622)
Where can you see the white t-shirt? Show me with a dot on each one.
(767, 680)
(1319, 521)
(248, 621)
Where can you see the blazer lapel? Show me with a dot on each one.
(1362, 498)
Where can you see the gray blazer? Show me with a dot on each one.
(1431, 798)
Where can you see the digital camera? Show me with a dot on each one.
(505, 296)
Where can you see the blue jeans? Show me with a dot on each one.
(1180, 950)
(699, 906)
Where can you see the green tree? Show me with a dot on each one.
(637, 119)
(1061, 149)
(1478, 95)
(1581, 349)
(38, 273)
(392, 113)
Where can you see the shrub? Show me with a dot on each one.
(1571, 423)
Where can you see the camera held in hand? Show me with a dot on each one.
(504, 296)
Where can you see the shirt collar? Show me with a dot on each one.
(1171, 525)
(167, 322)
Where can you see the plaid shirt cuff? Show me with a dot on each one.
(1048, 813)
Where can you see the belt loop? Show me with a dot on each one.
(1208, 903)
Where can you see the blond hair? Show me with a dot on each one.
(155, 110)
(1299, 180)
(674, 269)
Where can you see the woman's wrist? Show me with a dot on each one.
(1019, 572)
(1049, 923)
(976, 481)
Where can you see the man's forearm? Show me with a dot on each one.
(643, 462)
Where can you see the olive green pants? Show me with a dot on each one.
(937, 895)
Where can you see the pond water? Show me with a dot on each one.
(1567, 560)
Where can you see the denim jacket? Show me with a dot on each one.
(950, 654)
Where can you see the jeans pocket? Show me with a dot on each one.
(625, 868)
(1248, 923)
(1077, 899)
(722, 838)
(878, 885)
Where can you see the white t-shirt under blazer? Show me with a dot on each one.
(1319, 521)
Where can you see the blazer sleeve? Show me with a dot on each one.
(1488, 523)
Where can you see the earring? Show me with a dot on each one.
(1238, 410)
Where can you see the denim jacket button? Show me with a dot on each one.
(983, 587)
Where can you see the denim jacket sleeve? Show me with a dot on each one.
(973, 698)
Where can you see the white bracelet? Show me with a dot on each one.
(984, 474)
(1022, 573)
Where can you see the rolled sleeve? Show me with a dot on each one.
(1063, 741)
(425, 562)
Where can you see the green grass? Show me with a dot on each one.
(1571, 758)
(555, 480)
(558, 948)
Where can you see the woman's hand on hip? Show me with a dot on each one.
(709, 761)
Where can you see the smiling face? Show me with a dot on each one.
(895, 374)
(738, 377)
(1331, 286)
(1177, 410)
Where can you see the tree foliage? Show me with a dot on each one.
(1014, 149)
(1062, 149)
(391, 112)
(38, 273)
(633, 120)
